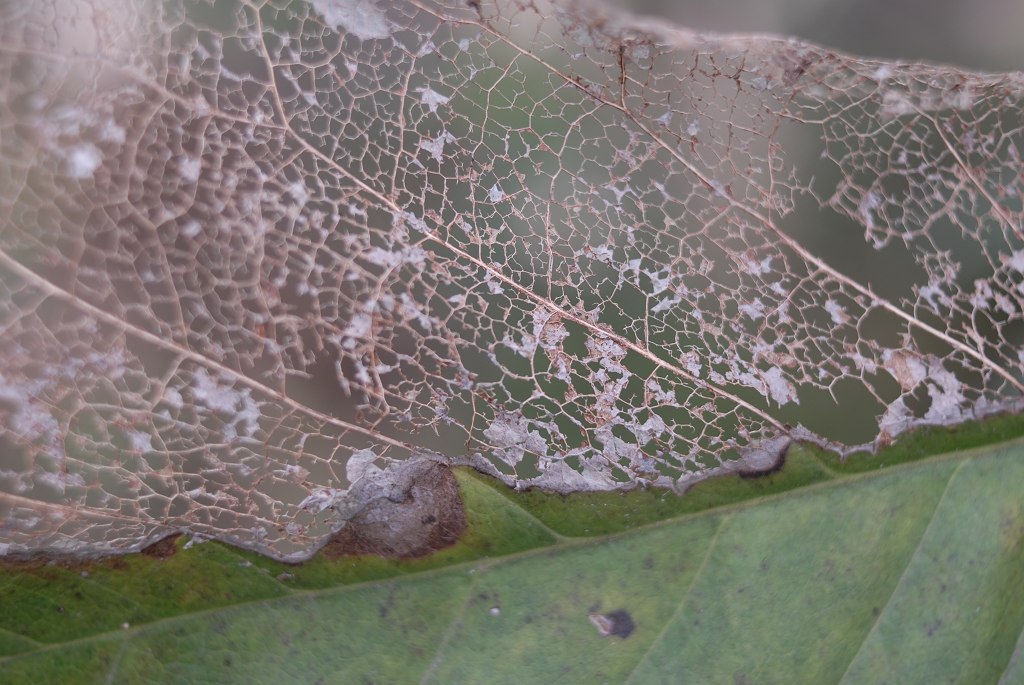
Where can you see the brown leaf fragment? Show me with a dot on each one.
(421, 513)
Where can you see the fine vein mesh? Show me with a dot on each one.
(253, 254)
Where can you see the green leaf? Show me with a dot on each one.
(907, 574)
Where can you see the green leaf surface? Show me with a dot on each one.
(908, 574)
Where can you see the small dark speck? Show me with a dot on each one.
(618, 623)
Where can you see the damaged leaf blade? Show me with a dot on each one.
(251, 256)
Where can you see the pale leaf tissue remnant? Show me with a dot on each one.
(251, 277)
(83, 160)
(365, 19)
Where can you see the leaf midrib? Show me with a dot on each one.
(899, 581)
(683, 602)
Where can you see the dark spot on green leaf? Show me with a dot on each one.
(616, 623)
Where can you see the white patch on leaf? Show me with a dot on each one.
(867, 207)
(946, 393)
(754, 267)
(896, 419)
(112, 132)
(83, 160)
(220, 396)
(140, 441)
(435, 146)
(513, 435)
(754, 310)
(320, 499)
(779, 387)
(414, 255)
(298, 192)
(361, 465)
(190, 168)
(1016, 261)
(357, 330)
(191, 228)
(907, 368)
(432, 99)
(364, 19)
(836, 311)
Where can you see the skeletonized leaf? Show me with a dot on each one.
(252, 255)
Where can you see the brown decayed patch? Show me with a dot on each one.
(426, 516)
(164, 548)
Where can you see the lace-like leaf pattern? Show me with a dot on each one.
(254, 254)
